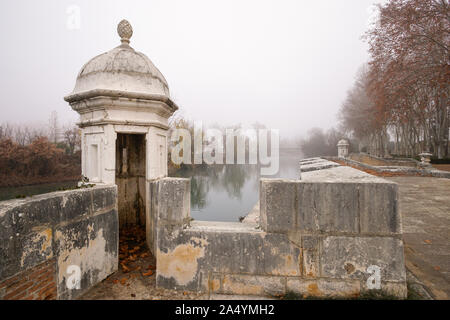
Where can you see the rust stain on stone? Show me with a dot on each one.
(42, 242)
(180, 263)
(214, 285)
(241, 287)
(349, 268)
(289, 267)
(313, 290)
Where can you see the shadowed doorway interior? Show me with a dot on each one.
(130, 179)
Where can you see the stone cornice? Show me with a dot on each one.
(123, 95)
(102, 122)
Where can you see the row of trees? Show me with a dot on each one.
(66, 137)
(41, 161)
(402, 94)
(32, 155)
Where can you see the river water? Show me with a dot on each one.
(218, 192)
(227, 192)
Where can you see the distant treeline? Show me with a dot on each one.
(39, 153)
(399, 104)
(41, 161)
(34, 155)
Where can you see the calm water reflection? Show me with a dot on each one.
(226, 192)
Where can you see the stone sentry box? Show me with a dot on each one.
(124, 105)
(319, 236)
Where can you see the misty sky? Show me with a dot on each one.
(287, 64)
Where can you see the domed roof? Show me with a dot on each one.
(343, 142)
(122, 69)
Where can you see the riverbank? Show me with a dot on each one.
(7, 193)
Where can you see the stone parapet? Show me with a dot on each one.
(50, 233)
(319, 236)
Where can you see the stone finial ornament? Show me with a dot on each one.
(125, 31)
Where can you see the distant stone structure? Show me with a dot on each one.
(342, 148)
(425, 159)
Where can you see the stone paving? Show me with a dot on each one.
(425, 210)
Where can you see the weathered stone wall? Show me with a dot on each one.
(40, 237)
(316, 236)
(169, 207)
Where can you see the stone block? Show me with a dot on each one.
(328, 207)
(173, 204)
(323, 287)
(349, 258)
(396, 289)
(230, 250)
(75, 204)
(253, 285)
(317, 165)
(104, 198)
(280, 256)
(278, 204)
(311, 251)
(378, 206)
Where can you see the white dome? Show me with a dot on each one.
(122, 69)
(343, 142)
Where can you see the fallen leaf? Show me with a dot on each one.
(125, 268)
(428, 241)
(123, 281)
(437, 268)
(134, 249)
(145, 254)
(151, 267)
(146, 274)
(116, 281)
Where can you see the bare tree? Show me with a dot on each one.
(72, 139)
(6, 131)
